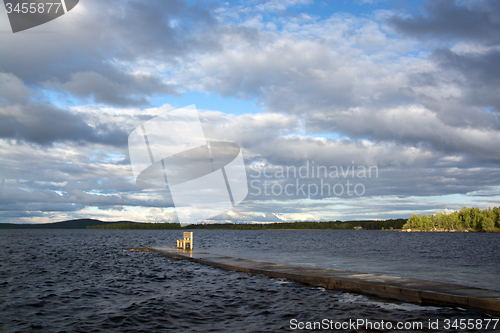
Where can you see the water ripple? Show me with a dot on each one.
(83, 281)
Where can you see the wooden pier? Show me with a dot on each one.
(396, 288)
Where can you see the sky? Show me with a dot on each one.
(364, 109)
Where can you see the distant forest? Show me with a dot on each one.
(332, 225)
(467, 219)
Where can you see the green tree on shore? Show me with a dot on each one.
(467, 219)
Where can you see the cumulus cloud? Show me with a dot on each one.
(337, 82)
(89, 54)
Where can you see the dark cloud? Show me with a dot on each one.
(88, 52)
(475, 75)
(128, 90)
(29, 196)
(33, 208)
(478, 21)
(159, 29)
(479, 75)
(13, 90)
(406, 177)
(471, 69)
(45, 124)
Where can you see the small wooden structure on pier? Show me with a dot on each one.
(187, 242)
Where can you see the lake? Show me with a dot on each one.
(83, 280)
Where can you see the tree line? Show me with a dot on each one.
(334, 225)
(303, 225)
(467, 219)
(391, 224)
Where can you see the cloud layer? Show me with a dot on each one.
(414, 94)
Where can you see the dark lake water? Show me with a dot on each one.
(83, 280)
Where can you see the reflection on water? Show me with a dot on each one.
(83, 280)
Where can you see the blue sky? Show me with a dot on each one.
(229, 105)
(408, 87)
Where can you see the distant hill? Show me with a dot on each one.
(71, 224)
